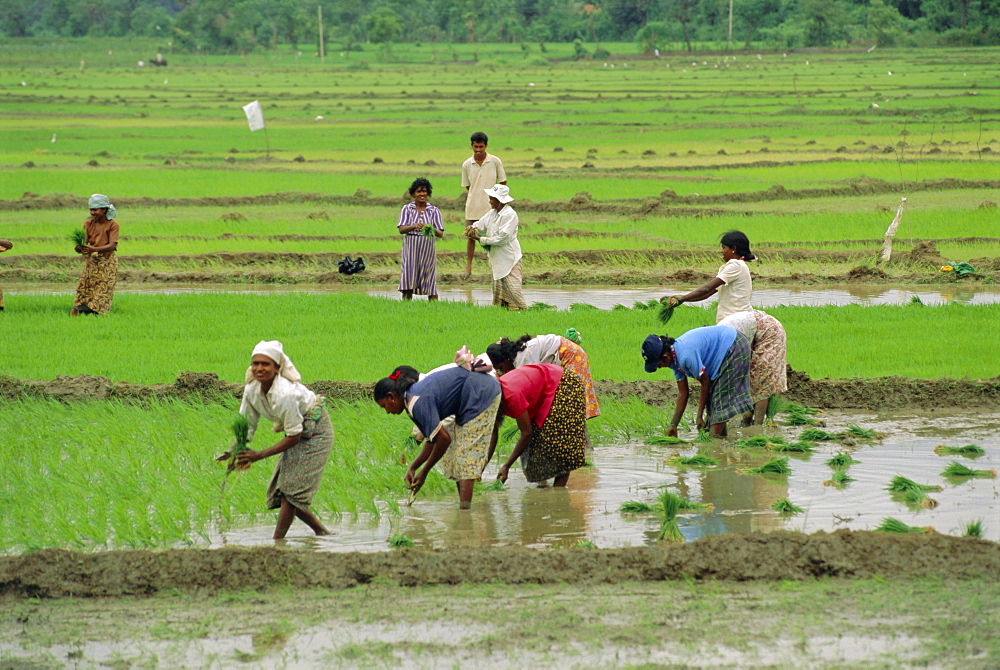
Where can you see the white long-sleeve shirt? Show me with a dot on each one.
(285, 404)
(498, 232)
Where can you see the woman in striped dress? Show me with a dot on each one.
(421, 224)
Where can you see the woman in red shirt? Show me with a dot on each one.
(550, 406)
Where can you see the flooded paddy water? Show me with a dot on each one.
(588, 509)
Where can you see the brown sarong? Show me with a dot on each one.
(97, 283)
(300, 469)
(507, 290)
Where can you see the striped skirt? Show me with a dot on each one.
(730, 392)
(419, 265)
(558, 446)
(97, 283)
(573, 357)
(300, 469)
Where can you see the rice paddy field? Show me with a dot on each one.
(625, 173)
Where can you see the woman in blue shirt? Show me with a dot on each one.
(719, 358)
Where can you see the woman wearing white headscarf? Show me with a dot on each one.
(274, 391)
(100, 269)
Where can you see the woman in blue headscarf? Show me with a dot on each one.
(100, 270)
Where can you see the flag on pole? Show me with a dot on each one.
(255, 115)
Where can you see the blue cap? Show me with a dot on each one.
(652, 350)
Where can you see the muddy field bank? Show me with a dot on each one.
(775, 556)
(879, 393)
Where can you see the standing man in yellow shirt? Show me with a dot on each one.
(480, 172)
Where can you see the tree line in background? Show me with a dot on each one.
(241, 26)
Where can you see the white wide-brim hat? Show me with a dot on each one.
(500, 192)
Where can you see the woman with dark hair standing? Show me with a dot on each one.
(96, 287)
(421, 224)
(768, 374)
(473, 398)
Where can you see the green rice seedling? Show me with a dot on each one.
(667, 309)
(638, 304)
(241, 431)
(860, 433)
(582, 307)
(839, 478)
(703, 436)
(760, 442)
(635, 507)
(974, 528)
(427, 231)
(799, 447)
(891, 525)
(585, 544)
(901, 484)
(816, 435)
(784, 506)
(800, 409)
(956, 469)
(509, 433)
(670, 505)
(969, 450)
(495, 485)
(663, 440)
(541, 307)
(841, 460)
(78, 237)
(775, 404)
(698, 460)
(918, 497)
(776, 466)
(800, 418)
(915, 300)
(400, 541)
(619, 308)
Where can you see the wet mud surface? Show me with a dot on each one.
(879, 393)
(730, 557)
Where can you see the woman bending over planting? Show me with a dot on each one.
(719, 358)
(100, 267)
(550, 406)
(5, 245)
(768, 375)
(556, 349)
(274, 391)
(473, 398)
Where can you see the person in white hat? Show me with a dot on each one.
(497, 233)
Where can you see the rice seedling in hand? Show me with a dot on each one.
(969, 450)
(799, 447)
(841, 460)
(698, 460)
(891, 525)
(839, 478)
(671, 504)
(816, 435)
(427, 231)
(667, 308)
(77, 237)
(241, 430)
(956, 469)
(974, 528)
(663, 440)
(901, 484)
(635, 507)
(777, 466)
(400, 541)
(784, 506)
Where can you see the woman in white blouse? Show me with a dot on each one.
(274, 391)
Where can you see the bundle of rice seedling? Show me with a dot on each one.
(800, 409)
(427, 231)
(510, 433)
(495, 485)
(800, 447)
(671, 504)
(667, 309)
(841, 460)
(585, 544)
(760, 442)
(891, 525)
(816, 435)
(663, 440)
(860, 433)
(400, 541)
(635, 507)
(241, 430)
(638, 304)
(785, 507)
(969, 450)
(775, 404)
(690, 504)
(541, 307)
(703, 436)
(839, 478)
(956, 469)
(77, 237)
(777, 466)
(919, 498)
(901, 484)
(800, 418)
(698, 460)
(974, 529)
(410, 443)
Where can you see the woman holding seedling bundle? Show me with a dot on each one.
(768, 375)
(274, 391)
(462, 449)
(550, 406)
(5, 245)
(719, 358)
(100, 270)
(421, 224)
(555, 349)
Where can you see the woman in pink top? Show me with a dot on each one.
(550, 406)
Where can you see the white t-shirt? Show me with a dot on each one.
(285, 404)
(541, 349)
(476, 177)
(736, 290)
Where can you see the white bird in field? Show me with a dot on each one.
(875, 105)
(890, 74)
(24, 83)
(531, 83)
(166, 81)
(318, 118)
(53, 137)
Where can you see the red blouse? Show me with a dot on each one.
(531, 389)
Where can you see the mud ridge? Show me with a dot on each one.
(54, 573)
(879, 393)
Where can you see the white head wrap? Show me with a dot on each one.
(98, 201)
(274, 350)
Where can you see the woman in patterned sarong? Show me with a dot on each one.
(5, 245)
(549, 404)
(274, 391)
(100, 269)
(719, 358)
(462, 448)
(419, 262)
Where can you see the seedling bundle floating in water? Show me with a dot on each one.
(956, 469)
(912, 492)
(663, 440)
(816, 435)
(891, 525)
(839, 478)
(969, 451)
(841, 460)
(785, 506)
(698, 460)
(777, 466)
